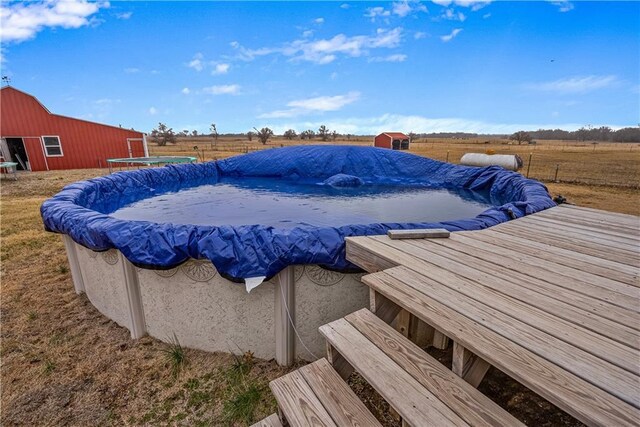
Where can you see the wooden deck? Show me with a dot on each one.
(552, 299)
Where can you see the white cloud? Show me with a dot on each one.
(419, 124)
(132, 70)
(399, 57)
(577, 84)
(22, 21)
(318, 104)
(419, 35)
(220, 69)
(233, 89)
(186, 91)
(106, 101)
(475, 5)
(450, 37)
(153, 111)
(324, 51)
(563, 6)
(319, 20)
(246, 54)
(404, 8)
(345, 6)
(401, 8)
(376, 12)
(196, 63)
(306, 34)
(452, 15)
(334, 75)
(124, 15)
(102, 108)
(326, 103)
(486, 15)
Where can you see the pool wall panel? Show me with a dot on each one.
(323, 296)
(104, 283)
(205, 311)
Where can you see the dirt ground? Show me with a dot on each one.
(63, 363)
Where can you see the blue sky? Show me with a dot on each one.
(357, 67)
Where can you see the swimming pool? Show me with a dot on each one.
(157, 249)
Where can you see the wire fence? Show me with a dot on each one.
(608, 164)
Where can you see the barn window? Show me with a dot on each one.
(52, 146)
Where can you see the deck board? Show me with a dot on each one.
(571, 243)
(497, 276)
(510, 300)
(409, 398)
(299, 402)
(552, 299)
(598, 280)
(609, 233)
(602, 222)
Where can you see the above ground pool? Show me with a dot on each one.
(155, 249)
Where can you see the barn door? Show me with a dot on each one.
(18, 153)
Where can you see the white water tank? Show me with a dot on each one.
(508, 161)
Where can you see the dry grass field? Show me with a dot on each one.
(63, 363)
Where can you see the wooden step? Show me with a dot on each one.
(582, 399)
(271, 421)
(417, 386)
(315, 395)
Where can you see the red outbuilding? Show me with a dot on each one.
(38, 140)
(393, 140)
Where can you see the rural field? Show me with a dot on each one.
(65, 363)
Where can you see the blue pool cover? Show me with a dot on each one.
(254, 251)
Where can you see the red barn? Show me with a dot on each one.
(393, 140)
(38, 140)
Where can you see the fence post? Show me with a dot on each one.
(447, 156)
(529, 164)
(555, 179)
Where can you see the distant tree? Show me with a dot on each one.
(323, 132)
(334, 135)
(290, 134)
(520, 137)
(264, 134)
(627, 134)
(412, 136)
(583, 133)
(214, 132)
(250, 135)
(307, 134)
(194, 133)
(349, 137)
(163, 135)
